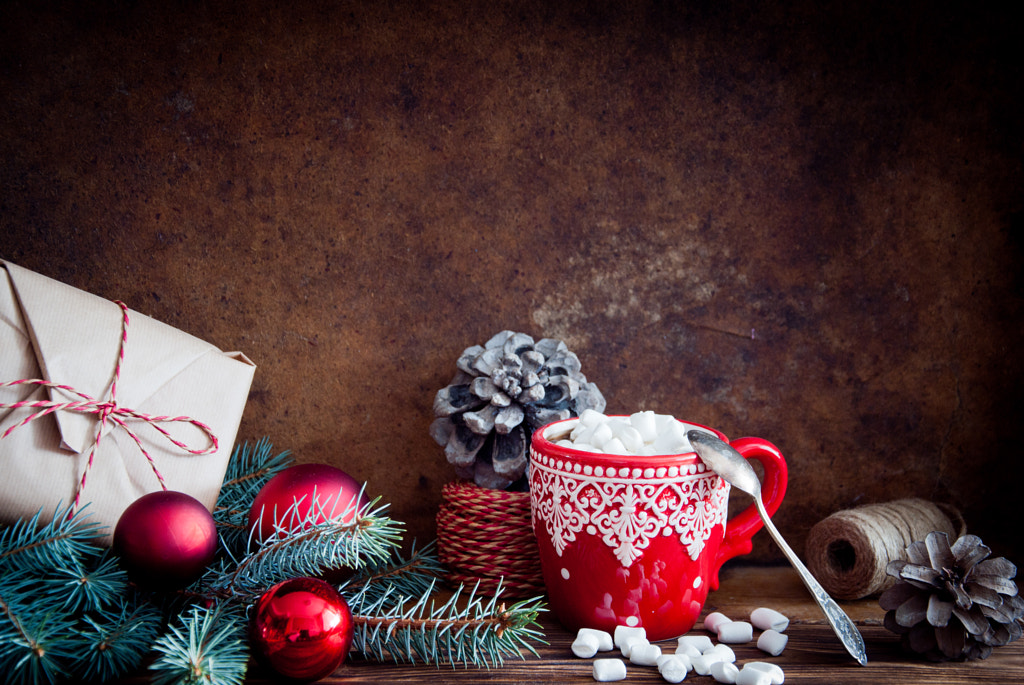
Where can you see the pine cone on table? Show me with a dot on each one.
(953, 602)
(501, 393)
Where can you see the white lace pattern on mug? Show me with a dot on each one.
(626, 507)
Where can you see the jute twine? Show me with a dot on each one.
(485, 536)
(848, 551)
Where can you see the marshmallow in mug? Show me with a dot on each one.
(643, 433)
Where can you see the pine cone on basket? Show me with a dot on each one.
(953, 602)
(501, 393)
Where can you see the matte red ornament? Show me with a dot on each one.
(301, 629)
(165, 540)
(287, 498)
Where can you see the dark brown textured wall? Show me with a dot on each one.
(800, 224)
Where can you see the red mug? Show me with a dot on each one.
(638, 540)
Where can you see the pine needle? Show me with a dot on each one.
(207, 646)
(470, 631)
(248, 471)
(115, 641)
(31, 544)
(100, 585)
(68, 614)
(398, 577)
(34, 648)
(351, 539)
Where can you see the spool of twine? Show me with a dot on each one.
(486, 536)
(848, 551)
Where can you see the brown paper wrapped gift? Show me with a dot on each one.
(65, 337)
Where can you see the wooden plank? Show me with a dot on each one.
(744, 588)
(813, 654)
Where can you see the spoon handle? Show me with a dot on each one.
(845, 628)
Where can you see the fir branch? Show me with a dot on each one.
(57, 565)
(351, 540)
(248, 471)
(115, 641)
(45, 634)
(66, 612)
(29, 544)
(397, 577)
(208, 647)
(470, 632)
(101, 585)
(33, 647)
(48, 572)
(253, 467)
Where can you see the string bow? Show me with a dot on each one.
(106, 410)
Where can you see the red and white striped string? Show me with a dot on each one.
(107, 410)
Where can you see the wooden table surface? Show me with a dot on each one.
(813, 654)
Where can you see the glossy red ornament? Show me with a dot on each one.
(165, 540)
(301, 629)
(287, 498)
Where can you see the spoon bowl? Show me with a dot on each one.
(733, 468)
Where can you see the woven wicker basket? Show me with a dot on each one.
(485, 536)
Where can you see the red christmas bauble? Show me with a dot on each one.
(301, 629)
(165, 539)
(285, 501)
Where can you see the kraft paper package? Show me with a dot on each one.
(66, 351)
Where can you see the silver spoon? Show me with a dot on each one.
(723, 459)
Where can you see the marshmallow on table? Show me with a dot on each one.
(644, 654)
(764, 618)
(721, 652)
(623, 632)
(600, 639)
(724, 672)
(773, 670)
(677, 658)
(673, 667)
(714, 620)
(585, 645)
(609, 670)
(631, 642)
(772, 642)
(753, 676)
(702, 664)
(735, 632)
(700, 643)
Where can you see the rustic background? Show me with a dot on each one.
(800, 224)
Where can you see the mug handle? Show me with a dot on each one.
(742, 527)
